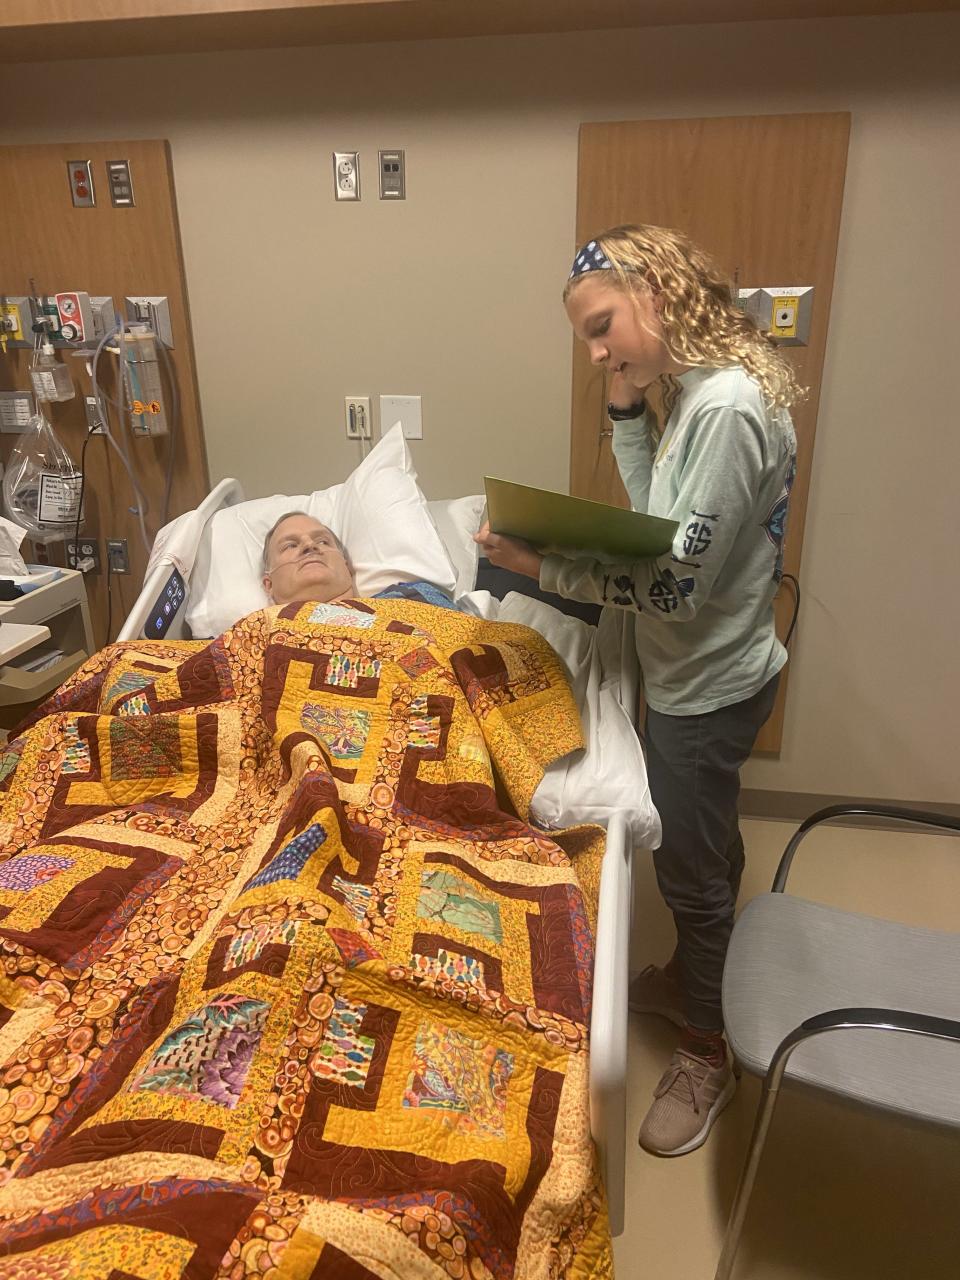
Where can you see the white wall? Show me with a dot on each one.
(454, 295)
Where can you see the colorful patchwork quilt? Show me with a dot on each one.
(288, 989)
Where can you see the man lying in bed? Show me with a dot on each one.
(284, 978)
(304, 560)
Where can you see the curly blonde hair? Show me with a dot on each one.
(702, 325)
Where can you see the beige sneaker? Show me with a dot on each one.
(653, 990)
(690, 1096)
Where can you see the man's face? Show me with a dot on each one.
(305, 563)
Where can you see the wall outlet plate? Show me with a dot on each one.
(117, 556)
(393, 176)
(94, 421)
(346, 175)
(356, 411)
(78, 553)
(120, 184)
(80, 174)
(405, 410)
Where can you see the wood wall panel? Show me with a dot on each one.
(119, 252)
(42, 30)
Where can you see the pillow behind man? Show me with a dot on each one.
(379, 513)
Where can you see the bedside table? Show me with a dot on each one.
(52, 623)
(17, 638)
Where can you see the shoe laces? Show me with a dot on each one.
(682, 1079)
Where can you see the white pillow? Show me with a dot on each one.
(457, 520)
(378, 513)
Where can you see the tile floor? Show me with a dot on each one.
(842, 1193)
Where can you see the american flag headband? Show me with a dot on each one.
(590, 258)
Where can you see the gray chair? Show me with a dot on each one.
(796, 970)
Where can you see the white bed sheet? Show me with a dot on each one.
(611, 774)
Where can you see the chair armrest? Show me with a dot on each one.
(921, 817)
(920, 1024)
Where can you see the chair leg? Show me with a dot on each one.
(874, 1019)
(741, 1201)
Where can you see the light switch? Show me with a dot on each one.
(406, 411)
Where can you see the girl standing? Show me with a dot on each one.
(653, 309)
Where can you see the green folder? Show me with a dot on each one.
(557, 520)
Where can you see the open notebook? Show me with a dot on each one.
(557, 520)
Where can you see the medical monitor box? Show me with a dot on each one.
(550, 519)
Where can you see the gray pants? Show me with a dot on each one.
(693, 763)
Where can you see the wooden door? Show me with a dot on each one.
(118, 252)
(763, 195)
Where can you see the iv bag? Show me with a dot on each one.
(41, 485)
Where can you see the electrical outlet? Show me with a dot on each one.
(346, 175)
(80, 173)
(117, 558)
(88, 559)
(357, 417)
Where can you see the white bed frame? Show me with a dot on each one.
(608, 1021)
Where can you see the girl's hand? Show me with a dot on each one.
(509, 553)
(622, 393)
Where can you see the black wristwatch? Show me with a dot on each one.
(634, 410)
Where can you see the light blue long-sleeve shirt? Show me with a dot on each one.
(704, 613)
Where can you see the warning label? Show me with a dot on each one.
(59, 498)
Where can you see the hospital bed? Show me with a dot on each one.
(606, 786)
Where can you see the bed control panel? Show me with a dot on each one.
(165, 609)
